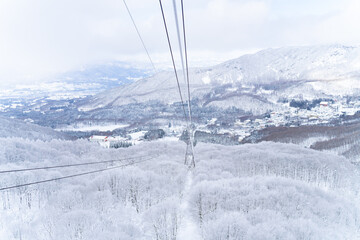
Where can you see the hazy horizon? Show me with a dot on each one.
(43, 38)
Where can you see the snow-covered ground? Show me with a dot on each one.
(253, 191)
(89, 128)
(189, 229)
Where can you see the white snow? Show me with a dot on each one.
(137, 135)
(189, 229)
(258, 191)
(206, 79)
(89, 128)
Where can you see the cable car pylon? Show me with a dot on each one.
(189, 155)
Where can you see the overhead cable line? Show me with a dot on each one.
(179, 39)
(186, 60)
(172, 58)
(186, 76)
(138, 32)
(71, 176)
(71, 165)
(189, 157)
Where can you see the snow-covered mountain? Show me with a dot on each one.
(40, 102)
(291, 63)
(89, 80)
(310, 71)
(75, 84)
(12, 128)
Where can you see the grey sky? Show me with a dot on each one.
(39, 38)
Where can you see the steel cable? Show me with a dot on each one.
(71, 176)
(71, 165)
(172, 58)
(138, 32)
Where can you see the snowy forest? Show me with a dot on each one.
(253, 191)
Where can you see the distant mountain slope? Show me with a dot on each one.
(319, 70)
(340, 139)
(292, 63)
(111, 70)
(53, 102)
(88, 80)
(15, 128)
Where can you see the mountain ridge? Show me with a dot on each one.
(311, 65)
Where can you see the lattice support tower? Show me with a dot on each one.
(189, 155)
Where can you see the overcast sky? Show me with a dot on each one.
(39, 38)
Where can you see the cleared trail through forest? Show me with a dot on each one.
(189, 229)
